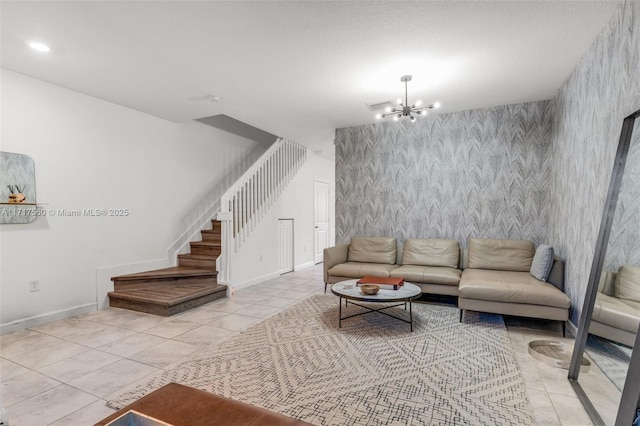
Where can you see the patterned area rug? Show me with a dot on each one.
(372, 371)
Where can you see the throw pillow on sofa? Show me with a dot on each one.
(542, 262)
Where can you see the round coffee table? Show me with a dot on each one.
(404, 294)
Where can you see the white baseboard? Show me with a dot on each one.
(34, 321)
(253, 281)
(304, 265)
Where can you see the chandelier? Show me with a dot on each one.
(406, 110)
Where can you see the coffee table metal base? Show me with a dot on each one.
(379, 310)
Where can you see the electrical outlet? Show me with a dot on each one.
(34, 286)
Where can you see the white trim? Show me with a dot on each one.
(315, 210)
(253, 281)
(36, 320)
(304, 265)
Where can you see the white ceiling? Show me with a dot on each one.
(301, 69)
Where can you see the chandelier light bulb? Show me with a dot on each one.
(399, 101)
(396, 117)
(423, 112)
(418, 103)
(436, 105)
(378, 116)
(388, 109)
(413, 119)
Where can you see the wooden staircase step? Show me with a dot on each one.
(167, 300)
(199, 261)
(211, 235)
(179, 275)
(172, 272)
(206, 247)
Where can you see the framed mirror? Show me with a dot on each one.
(610, 318)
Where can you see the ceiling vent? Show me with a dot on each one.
(380, 106)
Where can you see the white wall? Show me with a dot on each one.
(257, 259)
(92, 154)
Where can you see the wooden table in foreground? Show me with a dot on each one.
(181, 405)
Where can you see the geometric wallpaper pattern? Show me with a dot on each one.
(480, 173)
(587, 119)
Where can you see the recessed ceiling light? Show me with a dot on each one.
(40, 47)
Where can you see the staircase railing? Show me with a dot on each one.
(246, 202)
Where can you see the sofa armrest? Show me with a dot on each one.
(334, 256)
(556, 276)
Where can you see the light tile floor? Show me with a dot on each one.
(62, 373)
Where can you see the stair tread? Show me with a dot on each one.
(168, 296)
(207, 243)
(173, 272)
(197, 256)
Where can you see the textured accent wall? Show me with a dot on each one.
(480, 173)
(587, 120)
(624, 241)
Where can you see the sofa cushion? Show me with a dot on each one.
(616, 313)
(502, 255)
(427, 274)
(373, 250)
(431, 252)
(542, 262)
(510, 287)
(360, 269)
(627, 285)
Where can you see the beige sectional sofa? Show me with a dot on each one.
(497, 279)
(432, 264)
(490, 276)
(616, 312)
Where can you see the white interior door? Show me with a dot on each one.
(285, 245)
(321, 218)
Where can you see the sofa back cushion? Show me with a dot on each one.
(501, 255)
(606, 285)
(627, 285)
(373, 250)
(431, 252)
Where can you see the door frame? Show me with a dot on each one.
(314, 216)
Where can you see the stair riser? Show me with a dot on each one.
(216, 225)
(155, 309)
(208, 236)
(214, 252)
(198, 263)
(149, 283)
